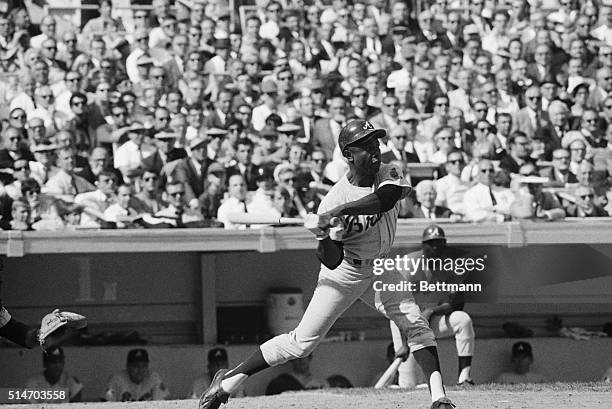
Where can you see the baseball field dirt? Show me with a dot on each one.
(544, 396)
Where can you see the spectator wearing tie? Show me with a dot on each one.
(177, 213)
(42, 168)
(443, 139)
(559, 125)
(244, 166)
(235, 203)
(426, 208)
(484, 201)
(559, 175)
(191, 171)
(65, 184)
(585, 205)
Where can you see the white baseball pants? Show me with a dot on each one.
(336, 291)
(457, 324)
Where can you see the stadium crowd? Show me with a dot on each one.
(179, 115)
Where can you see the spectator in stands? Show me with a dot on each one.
(192, 170)
(426, 208)
(217, 359)
(235, 203)
(97, 201)
(54, 377)
(585, 204)
(450, 189)
(559, 175)
(519, 153)
(484, 201)
(20, 216)
(44, 212)
(149, 199)
(65, 184)
(178, 213)
(137, 382)
(244, 166)
(129, 156)
(522, 359)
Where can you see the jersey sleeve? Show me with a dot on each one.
(335, 233)
(393, 175)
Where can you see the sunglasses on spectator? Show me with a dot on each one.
(17, 117)
(274, 10)
(78, 103)
(121, 113)
(491, 170)
(288, 180)
(534, 98)
(47, 96)
(318, 160)
(73, 79)
(590, 196)
(359, 95)
(174, 194)
(455, 161)
(561, 157)
(441, 104)
(392, 105)
(150, 179)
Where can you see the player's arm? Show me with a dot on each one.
(330, 252)
(17, 331)
(383, 200)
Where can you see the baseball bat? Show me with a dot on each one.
(262, 218)
(386, 377)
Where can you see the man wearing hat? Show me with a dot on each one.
(191, 171)
(269, 96)
(442, 309)
(217, 64)
(217, 359)
(521, 358)
(137, 382)
(54, 377)
(131, 154)
(141, 48)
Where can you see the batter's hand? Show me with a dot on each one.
(318, 225)
(403, 352)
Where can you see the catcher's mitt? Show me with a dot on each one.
(58, 326)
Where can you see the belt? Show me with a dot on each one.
(358, 262)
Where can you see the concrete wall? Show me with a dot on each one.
(558, 359)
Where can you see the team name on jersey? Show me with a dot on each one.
(355, 223)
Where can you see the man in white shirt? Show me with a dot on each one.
(235, 203)
(451, 188)
(269, 97)
(129, 156)
(604, 32)
(54, 377)
(485, 202)
(65, 184)
(97, 201)
(460, 97)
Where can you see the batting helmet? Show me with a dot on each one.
(357, 130)
(433, 232)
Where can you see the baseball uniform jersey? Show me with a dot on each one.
(122, 389)
(365, 236)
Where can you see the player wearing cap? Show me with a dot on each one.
(522, 358)
(217, 359)
(137, 382)
(55, 377)
(366, 200)
(443, 310)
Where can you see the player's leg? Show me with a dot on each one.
(459, 325)
(335, 292)
(409, 373)
(16, 331)
(400, 307)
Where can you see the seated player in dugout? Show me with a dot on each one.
(522, 359)
(55, 376)
(366, 201)
(442, 309)
(217, 359)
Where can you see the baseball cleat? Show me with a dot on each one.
(466, 384)
(443, 403)
(214, 395)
